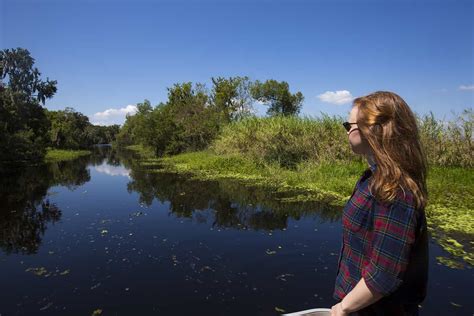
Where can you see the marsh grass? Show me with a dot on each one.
(54, 155)
(289, 140)
(448, 143)
(285, 140)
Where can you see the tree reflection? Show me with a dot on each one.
(25, 211)
(233, 203)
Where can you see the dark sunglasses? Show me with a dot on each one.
(347, 125)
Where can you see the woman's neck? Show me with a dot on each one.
(370, 160)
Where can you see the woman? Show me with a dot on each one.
(383, 265)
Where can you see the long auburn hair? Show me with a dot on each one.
(390, 128)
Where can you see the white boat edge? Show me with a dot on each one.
(308, 311)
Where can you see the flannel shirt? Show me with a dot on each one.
(384, 243)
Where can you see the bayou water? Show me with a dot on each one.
(102, 234)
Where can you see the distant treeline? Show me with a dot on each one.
(72, 130)
(26, 127)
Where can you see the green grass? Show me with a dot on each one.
(54, 155)
(143, 151)
(450, 211)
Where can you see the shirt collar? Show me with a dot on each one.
(373, 167)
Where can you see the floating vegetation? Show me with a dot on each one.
(207, 268)
(282, 277)
(97, 312)
(65, 272)
(46, 306)
(42, 272)
(451, 263)
(453, 229)
(137, 214)
(95, 286)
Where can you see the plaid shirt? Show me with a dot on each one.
(386, 244)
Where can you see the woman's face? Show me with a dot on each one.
(357, 141)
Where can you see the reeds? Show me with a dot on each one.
(448, 143)
(289, 140)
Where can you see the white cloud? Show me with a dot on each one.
(468, 87)
(336, 97)
(113, 170)
(113, 116)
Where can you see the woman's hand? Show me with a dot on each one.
(336, 310)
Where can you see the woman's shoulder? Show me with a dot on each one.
(363, 182)
(407, 198)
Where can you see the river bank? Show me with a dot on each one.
(55, 155)
(450, 212)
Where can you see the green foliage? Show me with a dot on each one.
(185, 123)
(138, 128)
(192, 118)
(24, 80)
(286, 140)
(190, 123)
(102, 134)
(72, 130)
(69, 129)
(23, 123)
(277, 95)
(231, 97)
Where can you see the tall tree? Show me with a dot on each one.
(231, 97)
(188, 109)
(23, 123)
(70, 129)
(277, 95)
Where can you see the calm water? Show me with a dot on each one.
(102, 233)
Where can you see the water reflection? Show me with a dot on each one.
(232, 203)
(112, 170)
(26, 211)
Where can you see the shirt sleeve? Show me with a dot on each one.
(393, 237)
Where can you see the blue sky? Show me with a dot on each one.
(107, 55)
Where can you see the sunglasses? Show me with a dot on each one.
(347, 125)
